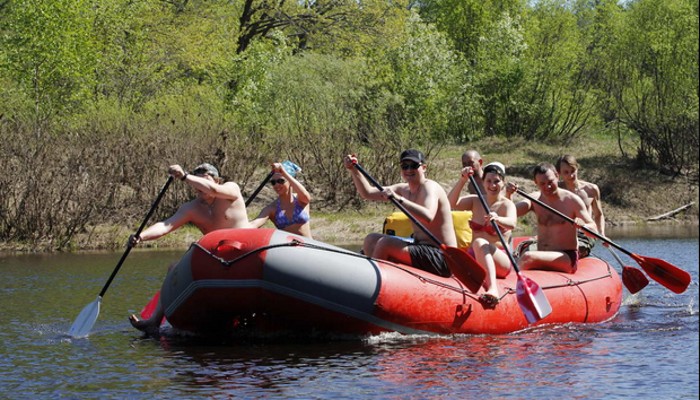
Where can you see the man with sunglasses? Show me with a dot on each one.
(218, 205)
(426, 200)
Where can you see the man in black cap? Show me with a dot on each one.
(426, 200)
(218, 205)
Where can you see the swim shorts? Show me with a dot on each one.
(573, 255)
(585, 244)
(428, 258)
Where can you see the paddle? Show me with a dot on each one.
(461, 264)
(634, 279)
(87, 317)
(286, 164)
(262, 185)
(152, 304)
(531, 298)
(668, 275)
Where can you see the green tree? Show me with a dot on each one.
(428, 78)
(467, 21)
(48, 51)
(311, 24)
(652, 74)
(557, 101)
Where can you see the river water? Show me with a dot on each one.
(649, 350)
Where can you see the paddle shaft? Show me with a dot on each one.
(398, 204)
(494, 224)
(619, 260)
(567, 218)
(262, 185)
(531, 298)
(138, 232)
(670, 276)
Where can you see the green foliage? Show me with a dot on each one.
(653, 79)
(556, 102)
(48, 51)
(108, 93)
(468, 21)
(427, 78)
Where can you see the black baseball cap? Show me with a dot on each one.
(413, 155)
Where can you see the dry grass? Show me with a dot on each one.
(630, 195)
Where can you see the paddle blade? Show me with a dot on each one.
(86, 319)
(667, 274)
(634, 279)
(149, 308)
(465, 268)
(531, 299)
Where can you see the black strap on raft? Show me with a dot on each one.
(298, 243)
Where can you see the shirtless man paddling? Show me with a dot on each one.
(557, 244)
(218, 205)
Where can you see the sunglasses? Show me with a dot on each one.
(407, 166)
(273, 182)
(201, 172)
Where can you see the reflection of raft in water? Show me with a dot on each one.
(266, 281)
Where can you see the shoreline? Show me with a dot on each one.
(631, 196)
(341, 230)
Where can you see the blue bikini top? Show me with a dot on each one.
(299, 216)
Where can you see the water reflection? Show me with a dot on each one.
(651, 346)
(653, 231)
(270, 368)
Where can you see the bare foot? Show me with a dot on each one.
(150, 328)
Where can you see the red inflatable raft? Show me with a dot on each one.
(266, 281)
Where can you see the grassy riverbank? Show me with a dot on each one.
(631, 195)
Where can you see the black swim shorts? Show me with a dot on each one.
(428, 258)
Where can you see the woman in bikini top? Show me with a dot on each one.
(488, 228)
(290, 211)
(299, 215)
(486, 245)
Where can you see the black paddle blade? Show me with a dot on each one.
(667, 274)
(634, 279)
(465, 268)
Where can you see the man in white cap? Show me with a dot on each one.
(218, 205)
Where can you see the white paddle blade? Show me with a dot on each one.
(86, 319)
(531, 299)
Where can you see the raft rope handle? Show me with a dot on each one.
(228, 263)
(461, 290)
(295, 242)
(570, 282)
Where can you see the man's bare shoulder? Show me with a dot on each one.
(431, 184)
(231, 184)
(589, 187)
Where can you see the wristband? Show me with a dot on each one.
(184, 176)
